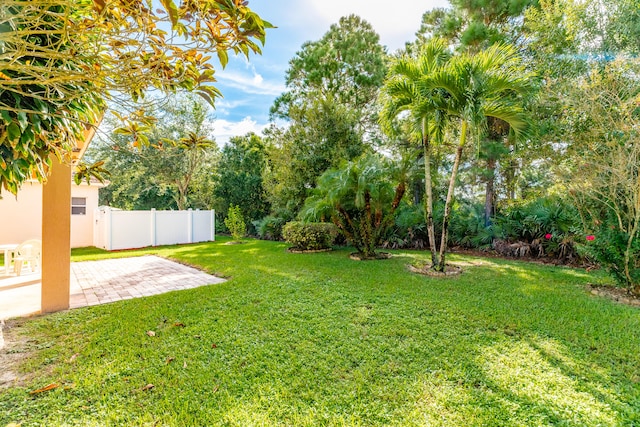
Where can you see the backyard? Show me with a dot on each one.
(319, 339)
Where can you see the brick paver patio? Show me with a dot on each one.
(104, 281)
(100, 282)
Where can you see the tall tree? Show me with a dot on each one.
(62, 59)
(239, 177)
(332, 86)
(471, 26)
(404, 91)
(347, 65)
(177, 149)
(320, 137)
(482, 85)
(474, 25)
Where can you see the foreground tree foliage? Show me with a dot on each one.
(604, 167)
(171, 169)
(62, 59)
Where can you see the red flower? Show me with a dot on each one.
(591, 237)
(548, 236)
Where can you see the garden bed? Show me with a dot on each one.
(357, 256)
(449, 271)
(613, 293)
(308, 251)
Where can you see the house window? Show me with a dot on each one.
(78, 206)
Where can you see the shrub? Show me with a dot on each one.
(548, 225)
(269, 227)
(409, 229)
(468, 230)
(360, 198)
(616, 251)
(310, 235)
(235, 223)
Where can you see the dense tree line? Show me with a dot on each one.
(492, 113)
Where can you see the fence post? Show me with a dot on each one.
(189, 225)
(153, 226)
(108, 229)
(213, 225)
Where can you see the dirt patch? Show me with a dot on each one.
(449, 271)
(356, 256)
(616, 294)
(308, 251)
(14, 348)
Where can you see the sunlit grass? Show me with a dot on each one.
(319, 339)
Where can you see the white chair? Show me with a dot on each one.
(28, 252)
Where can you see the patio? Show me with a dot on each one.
(101, 282)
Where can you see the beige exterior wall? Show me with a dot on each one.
(82, 225)
(21, 217)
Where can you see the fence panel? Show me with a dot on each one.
(130, 229)
(172, 227)
(203, 226)
(136, 229)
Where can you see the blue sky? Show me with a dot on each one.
(249, 87)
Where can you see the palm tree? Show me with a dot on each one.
(360, 198)
(486, 84)
(404, 91)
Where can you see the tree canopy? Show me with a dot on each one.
(330, 106)
(63, 59)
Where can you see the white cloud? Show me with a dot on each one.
(225, 129)
(396, 24)
(254, 84)
(224, 106)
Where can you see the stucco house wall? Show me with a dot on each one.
(21, 216)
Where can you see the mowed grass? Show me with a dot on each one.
(319, 339)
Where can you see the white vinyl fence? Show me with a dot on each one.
(115, 229)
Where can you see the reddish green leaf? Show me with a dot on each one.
(172, 10)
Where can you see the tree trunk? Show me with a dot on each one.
(510, 175)
(429, 191)
(367, 227)
(490, 196)
(447, 205)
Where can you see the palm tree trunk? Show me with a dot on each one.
(489, 195)
(429, 191)
(447, 205)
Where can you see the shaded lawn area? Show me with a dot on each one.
(319, 339)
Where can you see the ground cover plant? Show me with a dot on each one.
(319, 339)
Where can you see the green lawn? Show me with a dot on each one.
(319, 339)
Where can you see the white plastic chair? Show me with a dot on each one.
(28, 252)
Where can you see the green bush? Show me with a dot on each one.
(617, 252)
(550, 223)
(409, 229)
(361, 198)
(269, 227)
(467, 228)
(235, 223)
(310, 235)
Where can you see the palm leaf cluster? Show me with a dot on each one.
(360, 198)
(437, 90)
